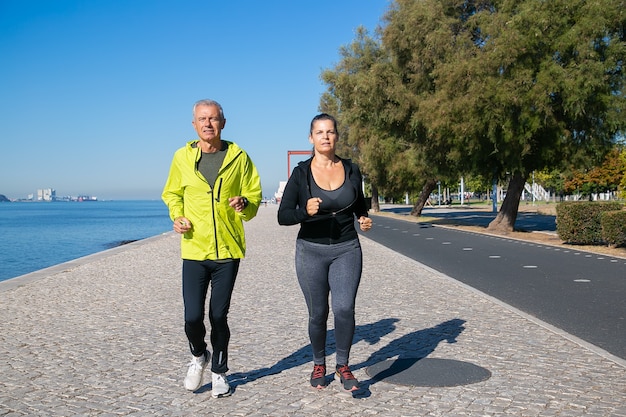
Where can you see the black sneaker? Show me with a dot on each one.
(318, 376)
(348, 380)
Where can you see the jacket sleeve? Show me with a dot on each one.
(360, 208)
(250, 189)
(290, 211)
(173, 191)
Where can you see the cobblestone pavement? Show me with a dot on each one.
(103, 336)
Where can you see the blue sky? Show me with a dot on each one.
(95, 96)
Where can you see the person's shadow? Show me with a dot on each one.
(415, 345)
(409, 349)
(418, 344)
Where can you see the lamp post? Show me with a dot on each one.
(462, 191)
(439, 193)
(533, 188)
(494, 196)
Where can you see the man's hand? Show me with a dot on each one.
(238, 203)
(182, 225)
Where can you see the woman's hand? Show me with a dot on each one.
(365, 223)
(313, 205)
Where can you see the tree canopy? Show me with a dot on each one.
(495, 88)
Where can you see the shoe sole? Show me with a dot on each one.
(355, 388)
(319, 385)
(226, 394)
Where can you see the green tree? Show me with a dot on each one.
(495, 88)
(552, 181)
(369, 84)
(531, 85)
(355, 88)
(622, 185)
(341, 99)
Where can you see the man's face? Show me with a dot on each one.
(208, 123)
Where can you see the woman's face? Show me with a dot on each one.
(324, 136)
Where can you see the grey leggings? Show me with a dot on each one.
(334, 269)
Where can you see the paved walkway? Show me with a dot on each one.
(103, 336)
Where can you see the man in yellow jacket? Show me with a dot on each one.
(212, 187)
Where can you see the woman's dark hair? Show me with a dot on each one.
(324, 116)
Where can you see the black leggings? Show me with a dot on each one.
(334, 269)
(196, 278)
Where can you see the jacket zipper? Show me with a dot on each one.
(215, 198)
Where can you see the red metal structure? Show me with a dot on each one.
(289, 153)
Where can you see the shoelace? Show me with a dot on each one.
(345, 373)
(319, 371)
(196, 365)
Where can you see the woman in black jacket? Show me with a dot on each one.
(324, 195)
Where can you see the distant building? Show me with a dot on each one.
(49, 194)
(281, 189)
(46, 194)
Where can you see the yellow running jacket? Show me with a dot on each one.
(217, 229)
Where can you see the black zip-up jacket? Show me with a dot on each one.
(323, 227)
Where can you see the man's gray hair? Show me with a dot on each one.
(207, 102)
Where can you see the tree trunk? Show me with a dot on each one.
(505, 220)
(375, 206)
(427, 189)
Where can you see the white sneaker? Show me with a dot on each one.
(220, 386)
(193, 380)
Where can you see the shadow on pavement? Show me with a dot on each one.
(525, 222)
(428, 372)
(411, 347)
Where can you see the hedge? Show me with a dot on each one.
(579, 222)
(614, 227)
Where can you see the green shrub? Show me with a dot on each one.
(578, 222)
(614, 227)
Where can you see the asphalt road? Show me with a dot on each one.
(581, 293)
